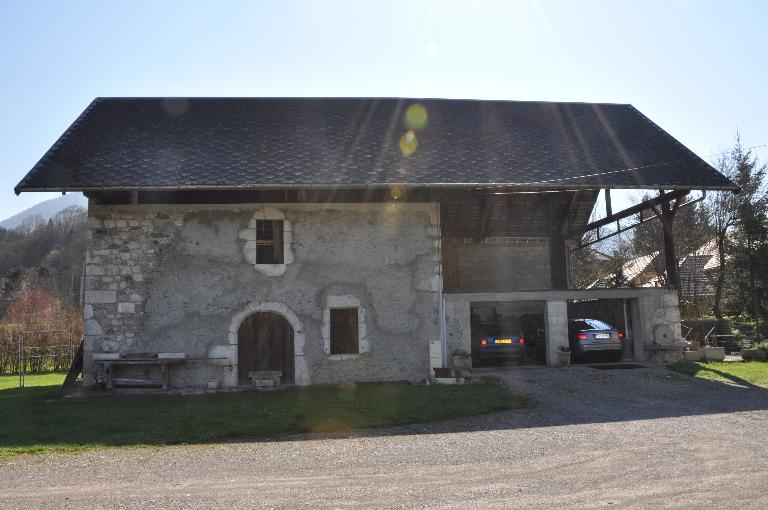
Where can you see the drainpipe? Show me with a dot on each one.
(441, 304)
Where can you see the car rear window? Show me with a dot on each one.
(581, 325)
(590, 324)
(596, 324)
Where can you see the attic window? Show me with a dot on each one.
(344, 331)
(269, 242)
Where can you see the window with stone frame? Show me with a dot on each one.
(344, 331)
(269, 242)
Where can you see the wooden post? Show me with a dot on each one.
(558, 261)
(21, 359)
(558, 208)
(667, 218)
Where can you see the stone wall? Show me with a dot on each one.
(177, 278)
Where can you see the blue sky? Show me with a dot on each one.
(697, 68)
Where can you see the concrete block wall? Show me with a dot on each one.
(173, 278)
(491, 267)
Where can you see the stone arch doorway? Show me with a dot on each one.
(265, 343)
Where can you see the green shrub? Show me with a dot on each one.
(762, 345)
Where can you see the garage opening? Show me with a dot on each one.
(265, 345)
(600, 330)
(507, 333)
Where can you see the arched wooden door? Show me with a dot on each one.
(265, 343)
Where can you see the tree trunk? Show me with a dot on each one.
(753, 288)
(716, 307)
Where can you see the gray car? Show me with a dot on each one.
(592, 336)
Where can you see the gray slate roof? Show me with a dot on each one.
(155, 143)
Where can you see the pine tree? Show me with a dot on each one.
(749, 242)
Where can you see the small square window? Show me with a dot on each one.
(344, 331)
(269, 242)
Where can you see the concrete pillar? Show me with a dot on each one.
(556, 330)
(458, 328)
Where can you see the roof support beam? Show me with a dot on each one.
(642, 206)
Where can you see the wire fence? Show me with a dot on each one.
(26, 351)
(54, 354)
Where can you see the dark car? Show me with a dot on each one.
(509, 344)
(592, 336)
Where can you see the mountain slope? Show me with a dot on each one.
(46, 209)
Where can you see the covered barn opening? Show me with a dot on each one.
(507, 333)
(601, 330)
(265, 345)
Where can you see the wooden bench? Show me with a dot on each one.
(162, 360)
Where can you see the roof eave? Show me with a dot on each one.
(534, 185)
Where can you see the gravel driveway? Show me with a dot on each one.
(622, 438)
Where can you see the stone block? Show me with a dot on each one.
(128, 307)
(94, 270)
(106, 356)
(110, 346)
(171, 355)
(100, 296)
(714, 353)
(93, 328)
(693, 355)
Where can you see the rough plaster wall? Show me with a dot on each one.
(484, 267)
(184, 270)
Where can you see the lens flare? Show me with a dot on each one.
(416, 117)
(409, 142)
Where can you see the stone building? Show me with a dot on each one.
(330, 240)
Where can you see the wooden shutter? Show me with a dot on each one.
(344, 332)
(269, 242)
(277, 240)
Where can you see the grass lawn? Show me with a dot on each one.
(39, 419)
(749, 372)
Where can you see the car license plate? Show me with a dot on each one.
(503, 341)
(602, 335)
